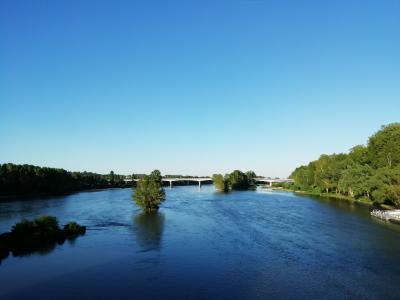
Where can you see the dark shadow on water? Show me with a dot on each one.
(359, 209)
(149, 229)
(28, 248)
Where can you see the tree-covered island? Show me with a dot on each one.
(237, 180)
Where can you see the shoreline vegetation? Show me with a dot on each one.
(28, 180)
(325, 195)
(367, 174)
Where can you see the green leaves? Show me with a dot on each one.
(371, 172)
(385, 186)
(221, 183)
(354, 181)
(237, 180)
(29, 179)
(384, 146)
(149, 193)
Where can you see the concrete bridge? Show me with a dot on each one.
(183, 179)
(270, 181)
(200, 180)
(189, 179)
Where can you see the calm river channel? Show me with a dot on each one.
(205, 245)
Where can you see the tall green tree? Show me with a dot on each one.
(359, 155)
(156, 176)
(385, 186)
(354, 181)
(112, 177)
(221, 183)
(328, 169)
(238, 180)
(384, 146)
(304, 177)
(251, 174)
(149, 193)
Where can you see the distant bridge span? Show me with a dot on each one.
(270, 181)
(200, 180)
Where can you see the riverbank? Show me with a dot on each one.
(335, 196)
(329, 195)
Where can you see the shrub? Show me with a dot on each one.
(25, 227)
(73, 228)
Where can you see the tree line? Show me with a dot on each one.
(30, 180)
(368, 173)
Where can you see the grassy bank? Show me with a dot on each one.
(331, 196)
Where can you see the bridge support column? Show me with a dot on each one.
(170, 184)
(199, 184)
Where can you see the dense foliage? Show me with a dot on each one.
(368, 173)
(28, 179)
(39, 235)
(237, 180)
(221, 183)
(149, 193)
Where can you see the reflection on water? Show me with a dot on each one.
(26, 249)
(149, 228)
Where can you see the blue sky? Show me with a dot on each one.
(194, 87)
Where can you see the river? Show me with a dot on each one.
(206, 245)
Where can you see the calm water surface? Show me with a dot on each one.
(204, 245)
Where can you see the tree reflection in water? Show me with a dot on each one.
(149, 229)
(27, 248)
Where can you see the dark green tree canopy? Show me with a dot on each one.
(149, 193)
(221, 183)
(384, 146)
(369, 172)
(156, 176)
(29, 179)
(385, 186)
(237, 180)
(359, 155)
(251, 174)
(112, 177)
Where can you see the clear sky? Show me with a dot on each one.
(194, 87)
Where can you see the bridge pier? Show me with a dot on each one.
(199, 184)
(170, 184)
